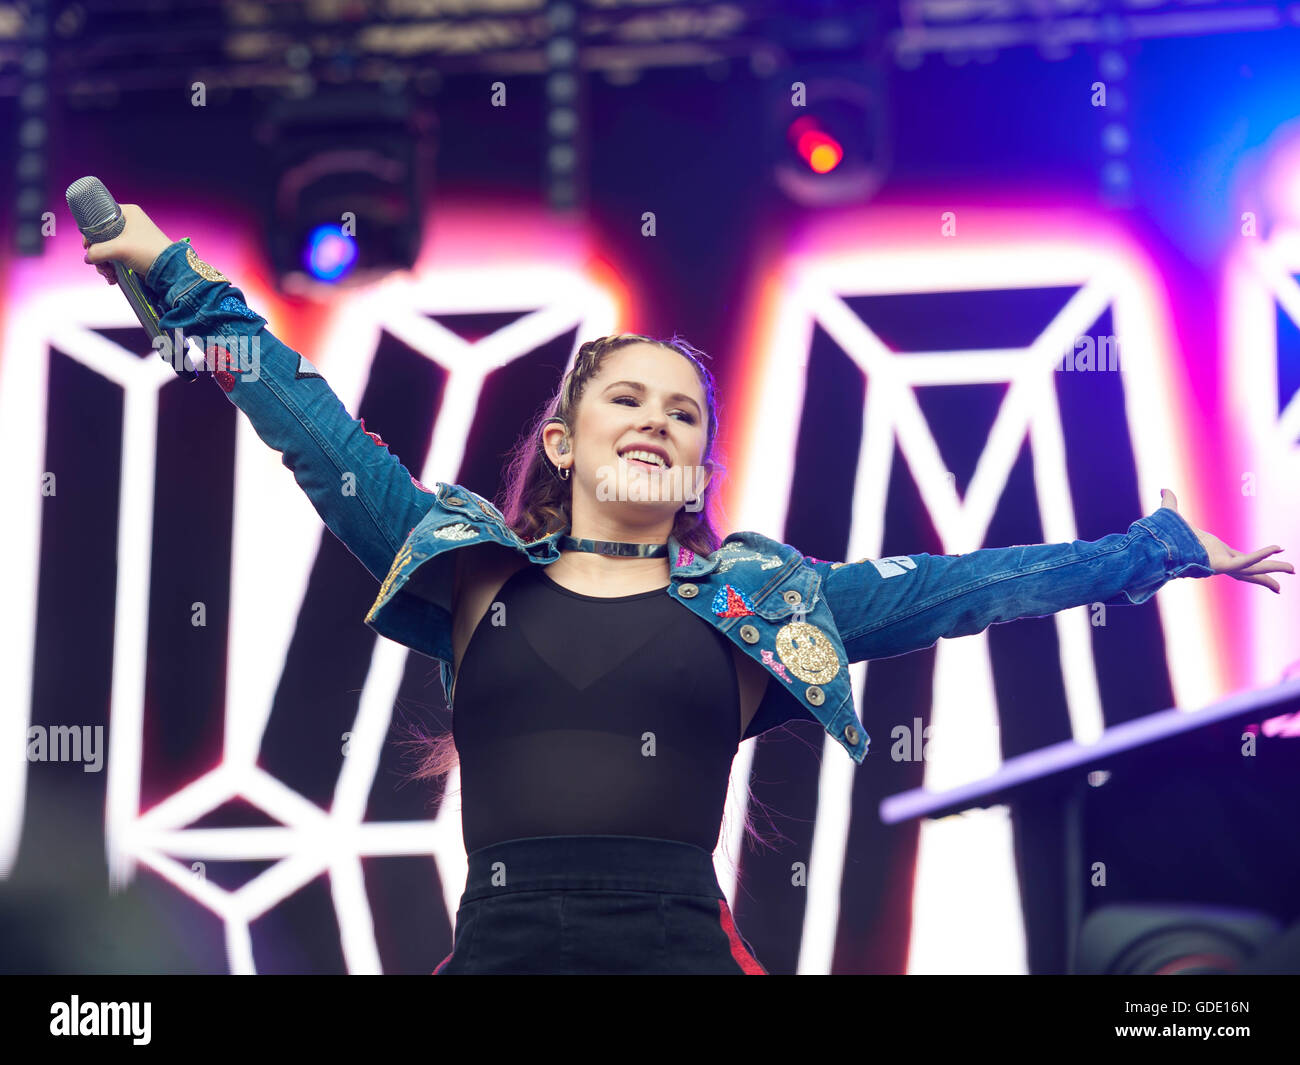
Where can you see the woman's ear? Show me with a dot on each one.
(703, 474)
(555, 440)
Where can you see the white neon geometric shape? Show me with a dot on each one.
(988, 936)
(1259, 278)
(267, 589)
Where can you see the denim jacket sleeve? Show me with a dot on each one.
(889, 607)
(295, 412)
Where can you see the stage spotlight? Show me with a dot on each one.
(347, 170)
(833, 142)
(815, 146)
(1171, 939)
(330, 253)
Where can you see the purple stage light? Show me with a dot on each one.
(330, 253)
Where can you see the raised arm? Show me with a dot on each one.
(890, 606)
(287, 402)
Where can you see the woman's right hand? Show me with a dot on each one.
(137, 246)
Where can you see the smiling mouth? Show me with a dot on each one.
(642, 464)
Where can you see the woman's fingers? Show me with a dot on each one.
(1267, 582)
(1250, 568)
(1274, 566)
(1245, 562)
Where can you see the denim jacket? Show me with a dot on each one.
(803, 619)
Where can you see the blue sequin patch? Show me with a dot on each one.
(237, 306)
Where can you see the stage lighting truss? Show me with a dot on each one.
(979, 29)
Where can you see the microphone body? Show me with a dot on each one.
(99, 218)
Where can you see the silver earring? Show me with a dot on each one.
(564, 473)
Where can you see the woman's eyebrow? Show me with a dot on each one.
(637, 386)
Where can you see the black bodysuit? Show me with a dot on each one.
(580, 715)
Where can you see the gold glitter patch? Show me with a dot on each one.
(807, 652)
(837, 565)
(203, 269)
(399, 563)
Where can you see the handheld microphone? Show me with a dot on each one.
(100, 218)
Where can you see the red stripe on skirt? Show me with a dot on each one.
(744, 959)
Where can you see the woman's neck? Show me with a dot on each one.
(583, 569)
(602, 527)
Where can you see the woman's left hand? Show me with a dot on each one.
(1223, 559)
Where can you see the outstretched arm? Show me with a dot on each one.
(362, 492)
(886, 607)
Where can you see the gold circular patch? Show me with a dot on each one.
(807, 652)
(203, 269)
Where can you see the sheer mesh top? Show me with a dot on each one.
(579, 715)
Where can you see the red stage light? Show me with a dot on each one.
(815, 146)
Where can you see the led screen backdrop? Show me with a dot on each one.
(906, 398)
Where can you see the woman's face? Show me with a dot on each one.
(644, 397)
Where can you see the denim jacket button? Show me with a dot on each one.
(688, 591)
(815, 695)
(749, 634)
(851, 734)
(792, 597)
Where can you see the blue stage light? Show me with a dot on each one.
(330, 253)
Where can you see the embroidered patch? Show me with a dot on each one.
(309, 371)
(729, 602)
(237, 306)
(218, 358)
(807, 651)
(225, 379)
(685, 556)
(373, 436)
(894, 565)
(458, 531)
(421, 487)
(729, 559)
(770, 661)
(394, 571)
(201, 268)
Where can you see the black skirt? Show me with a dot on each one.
(595, 905)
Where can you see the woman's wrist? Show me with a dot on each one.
(153, 258)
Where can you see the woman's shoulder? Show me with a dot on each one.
(744, 543)
(751, 538)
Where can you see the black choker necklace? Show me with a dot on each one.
(618, 548)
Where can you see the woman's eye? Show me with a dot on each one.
(690, 419)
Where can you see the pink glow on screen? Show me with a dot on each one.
(1003, 236)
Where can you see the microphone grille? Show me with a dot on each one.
(94, 208)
